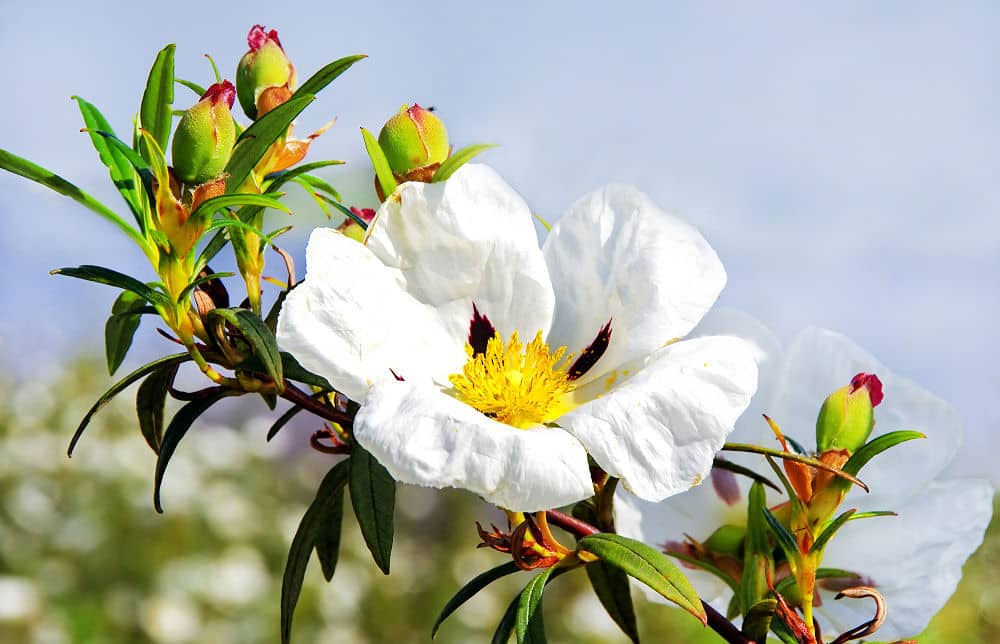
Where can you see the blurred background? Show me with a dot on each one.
(842, 160)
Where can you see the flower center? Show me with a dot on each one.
(522, 386)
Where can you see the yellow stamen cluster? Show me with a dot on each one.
(518, 385)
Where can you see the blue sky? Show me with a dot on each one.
(843, 160)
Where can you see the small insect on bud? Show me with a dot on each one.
(847, 417)
(413, 138)
(265, 77)
(204, 139)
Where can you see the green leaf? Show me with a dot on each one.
(316, 530)
(757, 621)
(194, 87)
(150, 400)
(139, 164)
(256, 139)
(120, 386)
(198, 282)
(873, 514)
(282, 421)
(216, 204)
(469, 590)
(831, 530)
(373, 495)
(121, 327)
(506, 626)
(648, 566)
(457, 159)
(18, 165)
(756, 551)
(723, 576)
(212, 248)
(529, 625)
(876, 446)
(277, 179)
(735, 468)
(328, 74)
(156, 111)
(611, 586)
(315, 183)
(798, 458)
(107, 276)
(122, 173)
(295, 371)
(784, 538)
(256, 333)
(178, 427)
(382, 170)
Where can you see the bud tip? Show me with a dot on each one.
(872, 383)
(224, 91)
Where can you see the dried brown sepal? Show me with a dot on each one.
(872, 625)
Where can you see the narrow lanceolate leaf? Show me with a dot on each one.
(121, 386)
(18, 165)
(382, 170)
(757, 621)
(469, 590)
(150, 400)
(178, 427)
(122, 173)
(757, 551)
(107, 276)
(831, 530)
(257, 138)
(316, 531)
(295, 371)
(457, 159)
(735, 468)
(798, 458)
(506, 626)
(373, 495)
(647, 565)
(278, 179)
(876, 446)
(328, 74)
(198, 282)
(120, 327)
(282, 421)
(528, 624)
(216, 204)
(256, 333)
(781, 534)
(156, 109)
(194, 87)
(611, 587)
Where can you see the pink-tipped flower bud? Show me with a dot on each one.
(204, 139)
(847, 416)
(413, 138)
(352, 228)
(265, 77)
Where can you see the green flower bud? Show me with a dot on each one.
(352, 228)
(727, 540)
(847, 417)
(413, 138)
(203, 141)
(264, 69)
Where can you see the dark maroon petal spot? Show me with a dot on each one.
(725, 485)
(592, 353)
(481, 330)
(396, 375)
(872, 383)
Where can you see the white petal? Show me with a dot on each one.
(659, 430)
(915, 559)
(470, 239)
(351, 321)
(821, 361)
(426, 437)
(616, 256)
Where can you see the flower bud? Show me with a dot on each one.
(265, 77)
(727, 540)
(413, 138)
(846, 418)
(352, 228)
(203, 141)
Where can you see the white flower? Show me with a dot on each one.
(483, 362)
(915, 559)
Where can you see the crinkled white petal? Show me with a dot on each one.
(616, 256)
(659, 430)
(470, 239)
(821, 361)
(352, 322)
(426, 437)
(915, 559)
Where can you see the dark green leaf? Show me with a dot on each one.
(723, 576)
(373, 496)
(216, 204)
(122, 173)
(156, 111)
(506, 626)
(138, 163)
(318, 526)
(735, 468)
(295, 371)
(120, 386)
(178, 427)
(107, 276)
(469, 590)
(278, 179)
(256, 139)
(831, 530)
(27, 169)
(256, 333)
(529, 625)
(756, 551)
(611, 587)
(282, 421)
(120, 327)
(757, 621)
(150, 400)
(876, 446)
(271, 319)
(198, 282)
(194, 87)
(328, 74)
(382, 170)
(784, 538)
(458, 159)
(647, 565)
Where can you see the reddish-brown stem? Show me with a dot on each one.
(314, 406)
